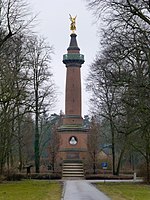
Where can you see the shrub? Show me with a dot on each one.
(2, 178)
(14, 177)
(43, 176)
(142, 172)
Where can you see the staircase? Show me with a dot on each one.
(72, 171)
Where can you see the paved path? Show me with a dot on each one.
(81, 190)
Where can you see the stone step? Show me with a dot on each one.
(72, 170)
(73, 175)
(80, 170)
(72, 163)
(69, 165)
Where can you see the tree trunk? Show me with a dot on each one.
(113, 147)
(119, 162)
(53, 160)
(37, 153)
(1, 167)
(148, 167)
(94, 163)
(20, 158)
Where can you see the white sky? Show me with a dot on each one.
(54, 24)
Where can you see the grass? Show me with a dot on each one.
(125, 191)
(30, 190)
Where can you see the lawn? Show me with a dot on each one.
(30, 190)
(125, 191)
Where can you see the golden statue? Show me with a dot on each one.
(73, 23)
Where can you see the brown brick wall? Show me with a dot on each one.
(64, 156)
(82, 140)
(73, 91)
(72, 121)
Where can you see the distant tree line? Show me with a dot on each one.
(27, 89)
(119, 77)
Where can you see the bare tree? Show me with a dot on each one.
(94, 143)
(53, 146)
(26, 86)
(12, 91)
(14, 18)
(125, 61)
(129, 8)
(107, 105)
(26, 83)
(42, 85)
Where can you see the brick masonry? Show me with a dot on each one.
(72, 134)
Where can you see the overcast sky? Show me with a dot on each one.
(54, 24)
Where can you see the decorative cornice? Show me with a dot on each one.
(73, 58)
(72, 116)
(74, 127)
